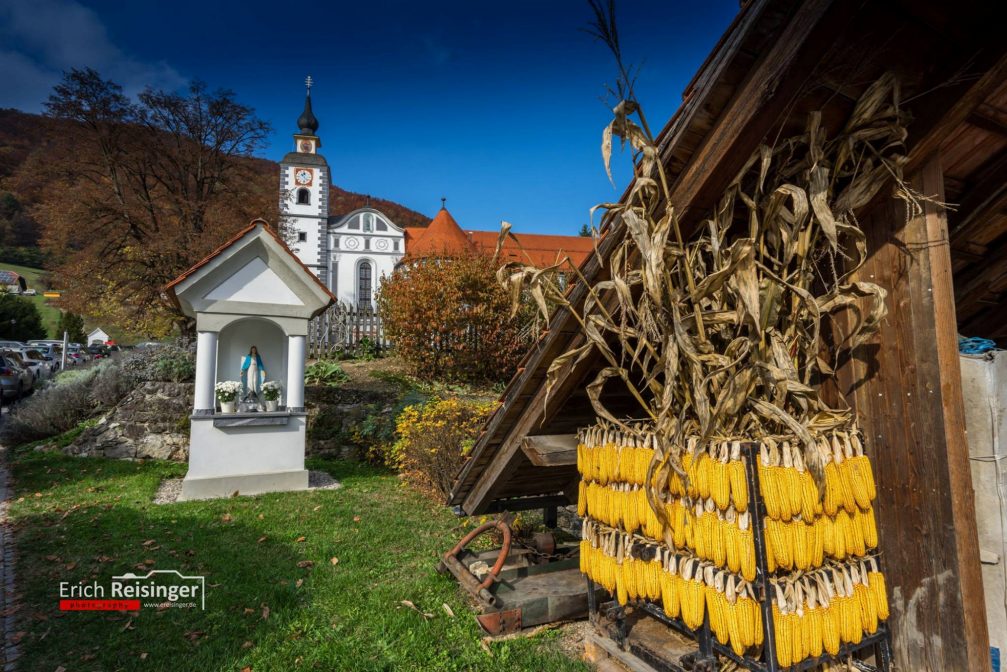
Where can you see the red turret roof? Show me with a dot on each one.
(443, 238)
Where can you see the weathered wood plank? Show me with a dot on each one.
(551, 450)
(910, 409)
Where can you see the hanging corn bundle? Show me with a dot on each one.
(719, 339)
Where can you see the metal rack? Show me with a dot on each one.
(708, 647)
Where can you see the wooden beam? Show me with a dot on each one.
(980, 118)
(909, 404)
(936, 120)
(551, 450)
(986, 196)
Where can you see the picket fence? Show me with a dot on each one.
(343, 330)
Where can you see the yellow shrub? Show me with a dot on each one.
(434, 440)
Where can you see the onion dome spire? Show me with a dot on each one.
(307, 122)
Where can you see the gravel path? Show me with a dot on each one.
(171, 488)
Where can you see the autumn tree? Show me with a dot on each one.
(148, 188)
(450, 320)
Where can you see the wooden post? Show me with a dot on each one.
(911, 411)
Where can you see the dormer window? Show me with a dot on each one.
(303, 197)
(368, 222)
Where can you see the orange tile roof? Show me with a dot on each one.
(535, 249)
(170, 287)
(443, 237)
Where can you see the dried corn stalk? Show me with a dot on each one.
(719, 337)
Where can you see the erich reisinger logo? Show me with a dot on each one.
(157, 589)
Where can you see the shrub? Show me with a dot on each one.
(52, 410)
(111, 383)
(325, 372)
(451, 320)
(376, 432)
(166, 363)
(435, 439)
(175, 365)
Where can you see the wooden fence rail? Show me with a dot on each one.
(344, 329)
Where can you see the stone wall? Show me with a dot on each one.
(151, 422)
(334, 413)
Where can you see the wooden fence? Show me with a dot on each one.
(344, 330)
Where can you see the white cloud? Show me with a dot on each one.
(45, 37)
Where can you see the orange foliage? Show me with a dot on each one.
(450, 320)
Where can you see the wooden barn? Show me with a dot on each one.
(945, 271)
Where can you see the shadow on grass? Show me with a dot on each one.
(338, 571)
(244, 577)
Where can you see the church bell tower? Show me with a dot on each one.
(304, 193)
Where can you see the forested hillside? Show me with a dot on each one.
(58, 211)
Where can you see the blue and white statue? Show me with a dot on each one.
(253, 373)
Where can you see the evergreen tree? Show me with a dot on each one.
(19, 319)
(585, 231)
(73, 325)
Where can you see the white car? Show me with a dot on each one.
(29, 292)
(36, 362)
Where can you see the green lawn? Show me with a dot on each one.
(50, 314)
(78, 519)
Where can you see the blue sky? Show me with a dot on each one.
(497, 106)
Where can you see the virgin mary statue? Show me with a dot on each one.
(252, 374)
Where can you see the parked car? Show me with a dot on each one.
(11, 344)
(39, 364)
(77, 353)
(30, 292)
(98, 351)
(15, 380)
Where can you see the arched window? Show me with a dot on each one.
(303, 197)
(368, 222)
(364, 285)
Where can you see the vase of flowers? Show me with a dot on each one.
(271, 395)
(227, 394)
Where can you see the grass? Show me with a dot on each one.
(83, 519)
(50, 314)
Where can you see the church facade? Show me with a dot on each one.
(351, 252)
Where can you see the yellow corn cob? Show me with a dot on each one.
(767, 488)
(796, 627)
(731, 548)
(813, 644)
(746, 619)
(854, 535)
(831, 622)
(782, 628)
(869, 526)
(746, 548)
(833, 489)
(620, 584)
(858, 483)
(669, 595)
(720, 484)
(800, 541)
(790, 485)
(680, 525)
(717, 542)
(868, 609)
(703, 475)
(760, 632)
(735, 627)
(716, 614)
(866, 476)
(582, 499)
(739, 484)
(876, 582)
(810, 504)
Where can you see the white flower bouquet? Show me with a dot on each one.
(271, 390)
(227, 390)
